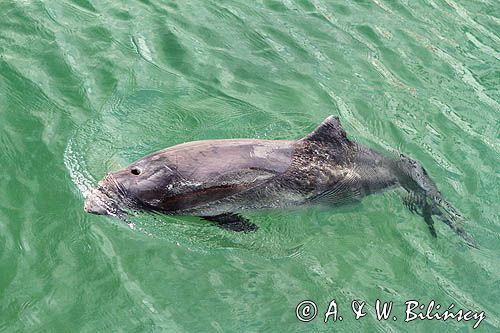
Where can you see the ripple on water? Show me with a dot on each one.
(417, 77)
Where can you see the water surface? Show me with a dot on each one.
(87, 87)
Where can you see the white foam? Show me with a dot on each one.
(77, 170)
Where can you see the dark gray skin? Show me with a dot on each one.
(217, 179)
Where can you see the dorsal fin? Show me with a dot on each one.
(330, 130)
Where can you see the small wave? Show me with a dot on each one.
(78, 170)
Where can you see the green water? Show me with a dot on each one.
(88, 86)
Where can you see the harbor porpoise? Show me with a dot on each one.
(218, 180)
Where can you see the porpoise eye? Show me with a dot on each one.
(135, 171)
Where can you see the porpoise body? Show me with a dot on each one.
(220, 179)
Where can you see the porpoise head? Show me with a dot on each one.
(141, 185)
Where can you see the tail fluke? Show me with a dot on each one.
(425, 199)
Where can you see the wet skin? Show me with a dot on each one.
(218, 179)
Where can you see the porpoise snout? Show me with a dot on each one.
(95, 205)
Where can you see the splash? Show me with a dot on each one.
(77, 169)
